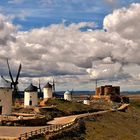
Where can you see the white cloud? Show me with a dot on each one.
(64, 50)
(107, 71)
(7, 30)
(125, 21)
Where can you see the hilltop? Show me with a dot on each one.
(113, 125)
(109, 126)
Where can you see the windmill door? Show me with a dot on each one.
(0, 110)
(30, 103)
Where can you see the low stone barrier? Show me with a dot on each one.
(45, 130)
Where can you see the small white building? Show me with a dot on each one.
(5, 98)
(47, 91)
(68, 95)
(31, 96)
(86, 101)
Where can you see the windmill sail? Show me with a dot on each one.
(18, 73)
(53, 86)
(10, 74)
(5, 79)
(14, 84)
(39, 87)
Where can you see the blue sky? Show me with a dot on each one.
(39, 13)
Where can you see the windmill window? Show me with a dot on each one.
(0, 100)
(30, 97)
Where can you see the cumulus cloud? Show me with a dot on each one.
(63, 51)
(111, 71)
(124, 21)
(7, 31)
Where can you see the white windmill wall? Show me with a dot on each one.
(30, 96)
(86, 102)
(6, 100)
(47, 92)
(68, 96)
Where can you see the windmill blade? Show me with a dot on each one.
(5, 79)
(53, 86)
(18, 73)
(10, 72)
(39, 87)
(72, 91)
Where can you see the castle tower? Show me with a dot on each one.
(5, 98)
(31, 96)
(47, 91)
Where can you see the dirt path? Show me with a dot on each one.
(68, 119)
(63, 120)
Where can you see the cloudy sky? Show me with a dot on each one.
(74, 41)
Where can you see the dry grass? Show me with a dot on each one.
(115, 125)
(70, 108)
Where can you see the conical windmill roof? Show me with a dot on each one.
(4, 84)
(31, 88)
(68, 92)
(48, 85)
